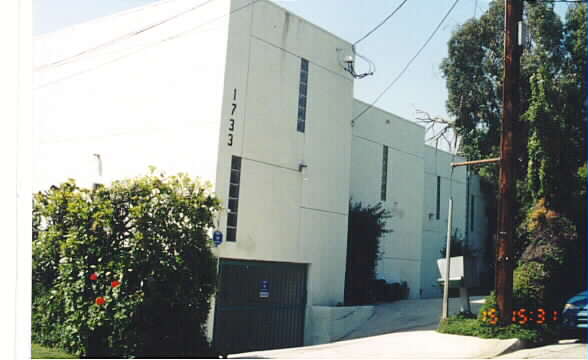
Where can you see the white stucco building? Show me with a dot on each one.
(255, 100)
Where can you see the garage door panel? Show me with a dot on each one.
(245, 320)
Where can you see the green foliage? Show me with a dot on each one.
(146, 241)
(541, 280)
(532, 333)
(549, 254)
(550, 138)
(366, 227)
(41, 352)
(460, 325)
(473, 71)
(530, 281)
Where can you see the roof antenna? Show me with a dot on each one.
(350, 68)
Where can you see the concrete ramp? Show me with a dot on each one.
(404, 315)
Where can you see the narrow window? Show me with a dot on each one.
(384, 173)
(438, 212)
(472, 214)
(234, 182)
(302, 92)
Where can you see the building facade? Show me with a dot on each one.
(255, 100)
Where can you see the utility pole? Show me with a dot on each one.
(506, 193)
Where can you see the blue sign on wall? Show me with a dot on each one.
(217, 237)
(264, 289)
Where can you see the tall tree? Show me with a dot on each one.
(551, 133)
(474, 70)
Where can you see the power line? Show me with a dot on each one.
(184, 33)
(381, 23)
(407, 65)
(125, 36)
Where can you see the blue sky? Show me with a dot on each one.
(422, 87)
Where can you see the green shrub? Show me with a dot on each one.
(124, 270)
(525, 285)
(365, 228)
(546, 272)
(530, 281)
(459, 325)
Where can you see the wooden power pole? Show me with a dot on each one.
(506, 183)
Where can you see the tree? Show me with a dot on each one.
(551, 133)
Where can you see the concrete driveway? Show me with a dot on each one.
(408, 328)
(422, 314)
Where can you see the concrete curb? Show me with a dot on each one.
(516, 345)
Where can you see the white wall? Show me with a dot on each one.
(285, 214)
(435, 230)
(333, 323)
(400, 249)
(140, 88)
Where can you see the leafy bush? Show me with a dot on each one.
(525, 286)
(365, 228)
(125, 270)
(529, 293)
(461, 325)
(543, 273)
(530, 281)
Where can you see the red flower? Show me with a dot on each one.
(100, 301)
(115, 283)
(94, 276)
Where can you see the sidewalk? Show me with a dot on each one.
(400, 330)
(419, 344)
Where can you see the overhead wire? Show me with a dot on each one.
(123, 37)
(371, 105)
(189, 31)
(381, 23)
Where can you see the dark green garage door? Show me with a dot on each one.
(259, 306)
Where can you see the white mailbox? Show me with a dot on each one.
(462, 272)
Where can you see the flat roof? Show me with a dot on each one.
(389, 113)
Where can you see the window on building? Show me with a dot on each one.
(234, 182)
(302, 93)
(472, 213)
(384, 173)
(438, 211)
